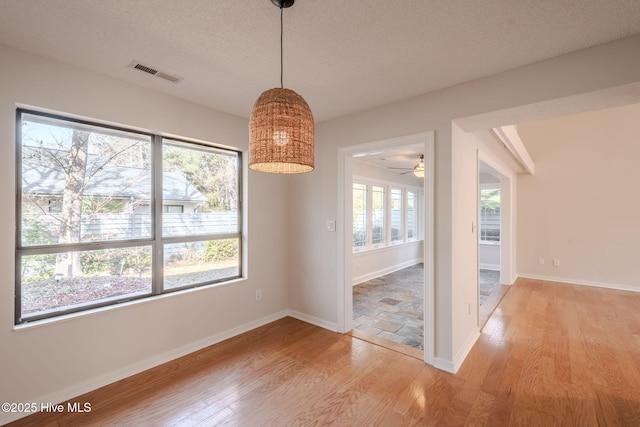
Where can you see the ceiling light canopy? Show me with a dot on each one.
(281, 128)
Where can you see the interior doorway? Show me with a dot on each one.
(345, 230)
(490, 236)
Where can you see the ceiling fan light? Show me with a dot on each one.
(418, 170)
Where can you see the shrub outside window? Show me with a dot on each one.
(108, 214)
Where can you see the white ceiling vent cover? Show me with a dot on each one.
(154, 72)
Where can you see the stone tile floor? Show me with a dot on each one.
(391, 306)
(488, 281)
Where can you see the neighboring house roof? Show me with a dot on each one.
(113, 181)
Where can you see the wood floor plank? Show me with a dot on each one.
(551, 354)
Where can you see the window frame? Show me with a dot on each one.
(165, 208)
(482, 229)
(155, 241)
(55, 205)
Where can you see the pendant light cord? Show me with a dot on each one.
(281, 53)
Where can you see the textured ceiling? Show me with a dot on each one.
(400, 160)
(341, 56)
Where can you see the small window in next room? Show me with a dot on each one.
(173, 209)
(490, 214)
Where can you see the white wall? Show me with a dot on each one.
(469, 148)
(582, 206)
(489, 256)
(61, 359)
(374, 263)
(498, 100)
(464, 242)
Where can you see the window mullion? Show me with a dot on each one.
(387, 213)
(18, 292)
(419, 214)
(369, 216)
(156, 216)
(240, 207)
(405, 215)
(18, 228)
(200, 237)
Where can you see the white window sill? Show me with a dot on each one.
(94, 311)
(385, 247)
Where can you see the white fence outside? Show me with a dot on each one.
(123, 226)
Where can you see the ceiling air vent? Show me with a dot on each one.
(150, 70)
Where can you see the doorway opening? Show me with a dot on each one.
(386, 234)
(491, 233)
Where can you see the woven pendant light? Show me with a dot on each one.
(281, 129)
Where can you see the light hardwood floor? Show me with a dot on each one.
(550, 355)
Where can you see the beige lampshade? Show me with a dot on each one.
(281, 133)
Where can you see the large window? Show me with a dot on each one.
(489, 214)
(396, 215)
(383, 214)
(106, 215)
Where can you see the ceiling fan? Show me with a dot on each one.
(418, 170)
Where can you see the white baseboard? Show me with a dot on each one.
(135, 368)
(333, 327)
(382, 272)
(616, 286)
(492, 267)
(452, 366)
(465, 349)
(444, 365)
